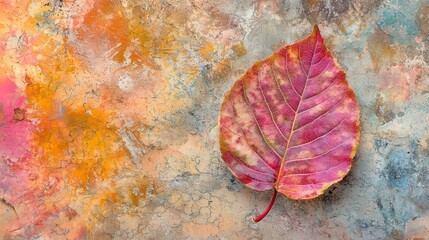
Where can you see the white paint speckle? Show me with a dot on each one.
(125, 83)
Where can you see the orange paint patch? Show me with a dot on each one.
(207, 51)
(121, 33)
(71, 58)
(100, 26)
(383, 52)
(78, 141)
(141, 190)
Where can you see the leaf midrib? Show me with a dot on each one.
(276, 186)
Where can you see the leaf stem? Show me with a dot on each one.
(262, 215)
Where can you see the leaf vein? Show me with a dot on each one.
(269, 109)
(323, 114)
(324, 135)
(257, 123)
(311, 173)
(327, 88)
(317, 104)
(314, 157)
(246, 140)
(295, 117)
(280, 90)
(290, 80)
(247, 166)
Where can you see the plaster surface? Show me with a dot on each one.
(116, 135)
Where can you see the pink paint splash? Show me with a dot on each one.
(401, 82)
(15, 136)
(24, 183)
(15, 130)
(27, 56)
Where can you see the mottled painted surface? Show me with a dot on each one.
(109, 118)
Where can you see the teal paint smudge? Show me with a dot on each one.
(396, 15)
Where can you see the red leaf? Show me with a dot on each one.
(291, 122)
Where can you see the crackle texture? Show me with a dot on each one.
(109, 118)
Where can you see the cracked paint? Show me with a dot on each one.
(108, 118)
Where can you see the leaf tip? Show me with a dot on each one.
(316, 30)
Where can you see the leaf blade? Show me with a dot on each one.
(298, 117)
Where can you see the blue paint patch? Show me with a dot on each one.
(400, 173)
(363, 223)
(388, 211)
(380, 144)
(399, 170)
(399, 14)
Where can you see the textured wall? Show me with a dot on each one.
(109, 111)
